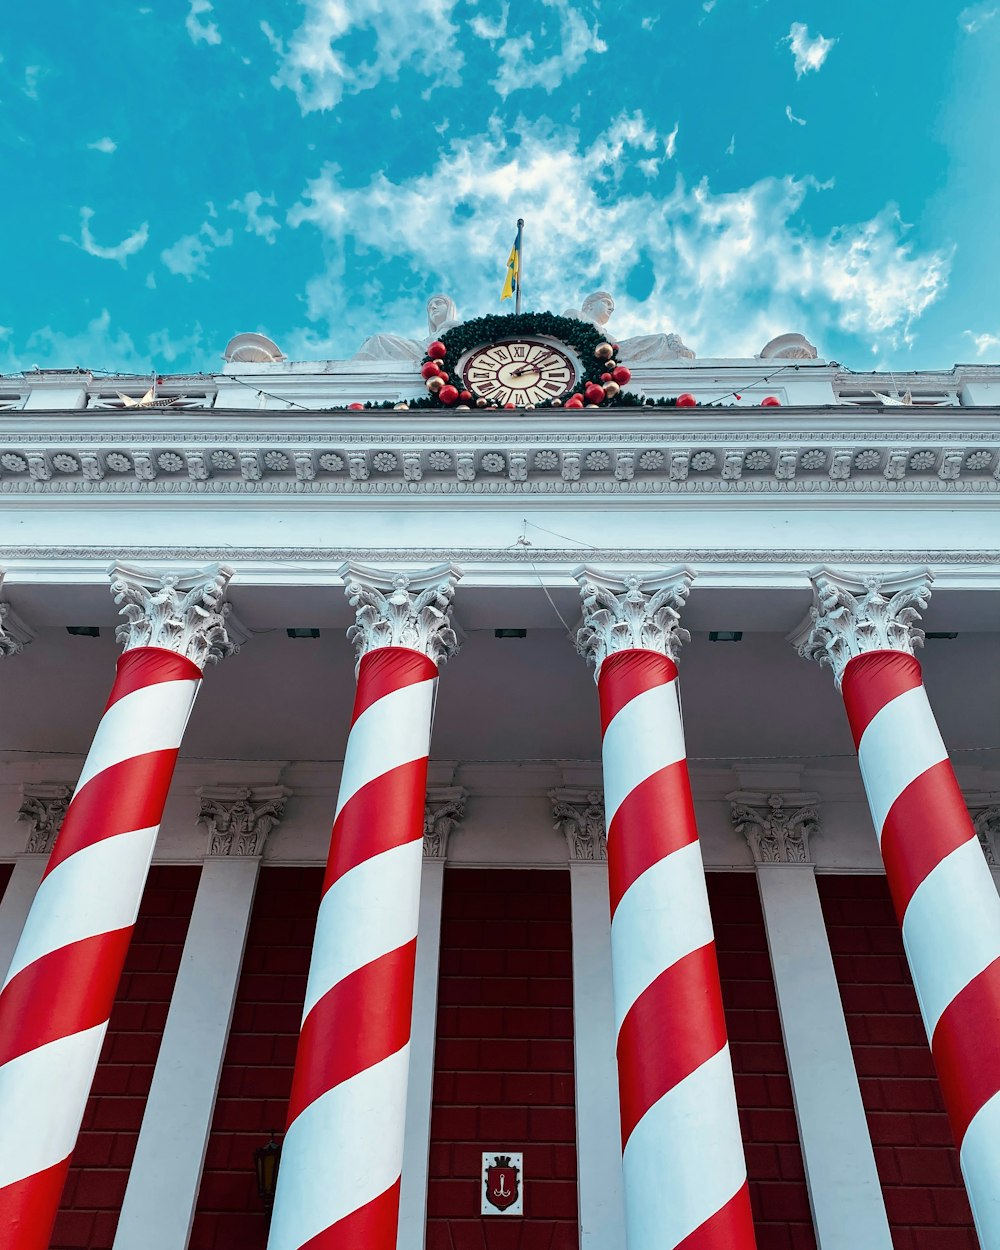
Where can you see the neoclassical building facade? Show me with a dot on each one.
(701, 971)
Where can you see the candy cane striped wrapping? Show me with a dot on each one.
(57, 997)
(338, 1186)
(946, 902)
(685, 1174)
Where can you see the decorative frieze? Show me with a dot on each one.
(239, 819)
(402, 609)
(631, 611)
(853, 613)
(444, 809)
(43, 806)
(986, 821)
(578, 814)
(777, 827)
(182, 612)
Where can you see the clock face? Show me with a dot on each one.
(522, 371)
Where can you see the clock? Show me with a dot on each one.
(524, 371)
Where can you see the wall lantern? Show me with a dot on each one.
(265, 1161)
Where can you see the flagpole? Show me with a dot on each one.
(520, 264)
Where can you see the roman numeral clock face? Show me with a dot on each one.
(523, 372)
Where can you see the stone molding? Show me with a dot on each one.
(182, 612)
(402, 609)
(853, 614)
(14, 634)
(627, 611)
(777, 827)
(43, 805)
(578, 814)
(239, 819)
(986, 821)
(444, 810)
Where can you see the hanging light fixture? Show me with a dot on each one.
(265, 1160)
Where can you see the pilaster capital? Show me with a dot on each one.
(239, 818)
(182, 612)
(986, 821)
(578, 814)
(777, 827)
(43, 805)
(444, 810)
(853, 614)
(14, 634)
(635, 611)
(402, 609)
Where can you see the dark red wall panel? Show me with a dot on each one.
(916, 1158)
(95, 1186)
(257, 1072)
(504, 1062)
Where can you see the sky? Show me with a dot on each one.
(180, 171)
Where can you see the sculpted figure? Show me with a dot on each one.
(598, 307)
(442, 314)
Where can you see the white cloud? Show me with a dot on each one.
(105, 145)
(519, 71)
(975, 17)
(809, 53)
(31, 75)
(99, 346)
(671, 141)
(731, 149)
(311, 64)
(730, 269)
(131, 244)
(799, 121)
(984, 342)
(188, 257)
(649, 22)
(199, 27)
(491, 30)
(261, 224)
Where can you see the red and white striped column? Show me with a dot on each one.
(943, 891)
(341, 1159)
(682, 1153)
(57, 997)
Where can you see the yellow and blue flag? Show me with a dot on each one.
(513, 270)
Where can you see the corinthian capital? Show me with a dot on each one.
(987, 824)
(853, 614)
(777, 827)
(14, 634)
(44, 807)
(578, 814)
(444, 809)
(402, 609)
(182, 612)
(631, 612)
(238, 818)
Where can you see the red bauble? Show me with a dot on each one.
(437, 350)
(442, 375)
(606, 377)
(770, 401)
(622, 375)
(465, 396)
(430, 368)
(594, 393)
(356, 407)
(573, 403)
(448, 394)
(577, 395)
(686, 400)
(511, 406)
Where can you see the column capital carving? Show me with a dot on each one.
(777, 827)
(853, 614)
(578, 814)
(239, 818)
(444, 810)
(402, 609)
(14, 634)
(43, 805)
(986, 821)
(635, 611)
(182, 612)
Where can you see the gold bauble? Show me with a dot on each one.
(462, 408)
(434, 384)
(557, 403)
(611, 389)
(604, 351)
(480, 402)
(592, 405)
(401, 407)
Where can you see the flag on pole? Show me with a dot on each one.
(513, 269)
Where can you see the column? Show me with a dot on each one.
(944, 895)
(339, 1182)
(43, 805)
(57, 996)
(159, 1205)
(443, 811)
(986, 822)
(683, 1163)
(579, 814)
(844, 1189)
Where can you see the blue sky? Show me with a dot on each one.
(729, 169)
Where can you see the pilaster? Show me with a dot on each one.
(43, 806)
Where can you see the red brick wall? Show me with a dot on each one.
(504, 1063)
(95, 1186)
(257, 1072)
(774, 1157)
(5, 873)
(917, 1161)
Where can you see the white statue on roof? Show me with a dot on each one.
(597, 309)
(442, 314)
